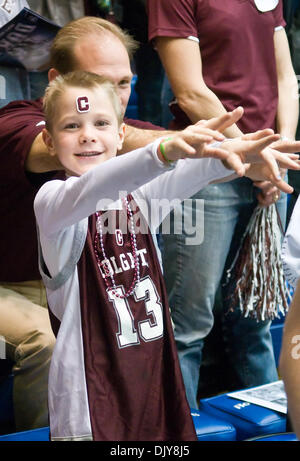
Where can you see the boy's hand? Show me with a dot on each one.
(243, 151)
(259, 172)
(224, 121)
(237, 154)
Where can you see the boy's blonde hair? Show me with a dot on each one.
(62, 50)
(78, 79)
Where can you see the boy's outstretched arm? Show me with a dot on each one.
(238, 154)
(137, 137)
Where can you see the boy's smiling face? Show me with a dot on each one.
(85, 131)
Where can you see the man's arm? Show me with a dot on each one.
(288, 105)
(138, 137)
(289, 365)
(39, 160)
(192, 94)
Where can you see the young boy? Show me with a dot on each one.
(114, 373)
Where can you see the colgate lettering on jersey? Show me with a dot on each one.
(82, 104)
(121, 263)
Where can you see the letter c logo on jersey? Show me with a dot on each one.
(82, 104)
(119, 237)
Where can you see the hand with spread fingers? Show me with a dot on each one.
(250, 155)
(224, 121)
(269, 193)
(267, 164)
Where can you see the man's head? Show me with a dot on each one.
(83, 120)
(98, 46)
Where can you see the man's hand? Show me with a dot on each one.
(258, 172)
(268, 193)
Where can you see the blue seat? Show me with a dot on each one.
(248, 419)
(35, 435)
(210, 428)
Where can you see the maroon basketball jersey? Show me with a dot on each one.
(134, 383)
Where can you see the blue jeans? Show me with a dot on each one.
(17, 83)
(193, 274)
(14, 85)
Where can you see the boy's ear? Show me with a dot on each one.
(121, 136)
(52, 74)
(47, 138)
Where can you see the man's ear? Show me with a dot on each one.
(47, 138)
(121, 136)
(52, 74)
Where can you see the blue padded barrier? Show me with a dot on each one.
(248, 419)
(35, 435)
(281, 437)
(210, 428)
(207, 428)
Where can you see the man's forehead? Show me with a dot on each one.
(105, 46)
(108, 59)
(113, 73)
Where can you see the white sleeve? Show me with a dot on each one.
(291, 247)
(60, 204)
(169, 189)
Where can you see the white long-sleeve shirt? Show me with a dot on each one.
(60, 208)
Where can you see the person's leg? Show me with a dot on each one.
(249, 350)
(282, 208)
(193, 273)
(38, 82)
(25, 327)
(14, 84)
(248, 342)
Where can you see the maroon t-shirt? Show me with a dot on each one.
(20, 123)
(237, 50)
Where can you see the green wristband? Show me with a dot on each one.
(162, 150)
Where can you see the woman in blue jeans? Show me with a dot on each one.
(192, 287)
(217, 56)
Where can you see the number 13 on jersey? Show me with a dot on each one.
(149, 329)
